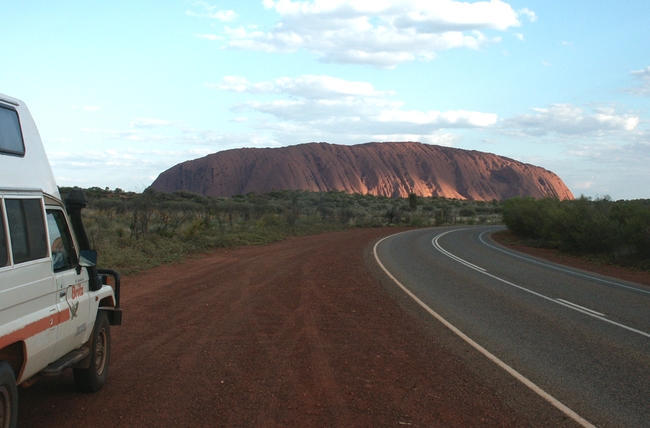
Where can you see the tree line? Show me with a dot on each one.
(134, 231)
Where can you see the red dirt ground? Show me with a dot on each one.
(305, 332)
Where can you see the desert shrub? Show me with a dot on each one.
(134, 231)
(531, 218)
(467, 212)
(413, 201)
(584, 226)
(618, 230)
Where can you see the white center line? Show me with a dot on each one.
(581, 307)
(567, 305)
(550, 266)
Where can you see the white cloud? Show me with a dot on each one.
(91, 109)
(643, 74)
(150, 123)
(632, 154)
(567, 119)
(212, 141)
(212, 12)
(644, 77)
(520, 37)
(309, 107)
(221, 15)
(532, 16)
(457, 118)
(439, 138)
(583, 185)
(611, 168)
(137, 157)
(378, 33)
(307, 86)
(231, 83)
(130, 169)
(225, 15)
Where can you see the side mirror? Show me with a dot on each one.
(87, 258)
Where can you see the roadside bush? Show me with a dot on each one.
(531, 218)
(618, 230)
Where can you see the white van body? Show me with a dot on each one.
(50, 296)
(31, 171)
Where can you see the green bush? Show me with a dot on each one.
(618, 230)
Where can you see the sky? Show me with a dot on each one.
(123, 90)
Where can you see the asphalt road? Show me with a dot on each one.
(582, 338)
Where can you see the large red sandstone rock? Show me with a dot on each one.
(389, 169)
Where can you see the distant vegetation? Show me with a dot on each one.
(613, 231)
(134, 231)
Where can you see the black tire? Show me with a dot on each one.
(93, 378)
(8, 397)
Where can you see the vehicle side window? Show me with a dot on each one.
(63, 254)
(26, 229)
(11, 137)
(3, 241)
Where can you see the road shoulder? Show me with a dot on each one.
(507, 239)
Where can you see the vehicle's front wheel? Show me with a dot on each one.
(8, 397)
(93, 378)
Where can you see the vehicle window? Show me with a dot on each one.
(63, 254)
(3, 241)
(26, 229)
(11, 137)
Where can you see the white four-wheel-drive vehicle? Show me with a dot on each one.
(56, 307)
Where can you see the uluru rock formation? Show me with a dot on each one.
(393, 169)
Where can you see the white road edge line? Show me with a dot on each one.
(581, 307)
(572, 306)
(539, 391)
(595, 278)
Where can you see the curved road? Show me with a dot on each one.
(580, 338)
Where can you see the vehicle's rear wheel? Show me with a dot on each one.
(8, 397)
(93, 378)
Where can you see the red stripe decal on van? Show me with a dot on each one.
(35, 328)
